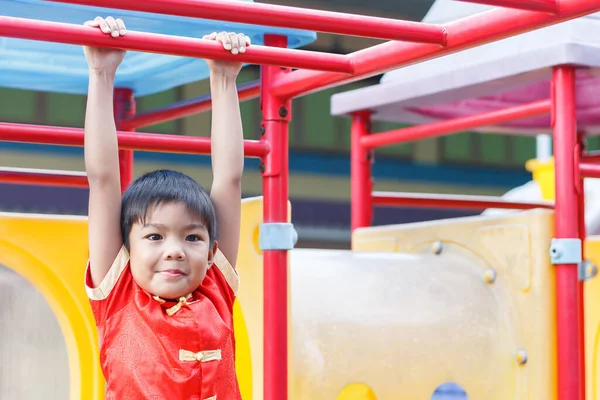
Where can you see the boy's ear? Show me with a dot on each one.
(211, 253)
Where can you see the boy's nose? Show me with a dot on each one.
(174, 252)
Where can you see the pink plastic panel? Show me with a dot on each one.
(588, 104)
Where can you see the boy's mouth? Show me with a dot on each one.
(172, 273)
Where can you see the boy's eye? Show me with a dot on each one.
(154, 236)
(193, 238)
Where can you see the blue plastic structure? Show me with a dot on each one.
(54, 67)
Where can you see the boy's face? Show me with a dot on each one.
(170, 254)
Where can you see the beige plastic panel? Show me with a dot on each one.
(405, 323)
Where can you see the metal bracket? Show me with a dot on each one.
(586, 270)
(565, 251)
(277, 236)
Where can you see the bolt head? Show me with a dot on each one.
(490, 276)
(521, 356)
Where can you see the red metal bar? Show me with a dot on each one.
(173, 45)
(276, 117)
(24, 176)
(124, 106)
(465, 33)
(588, 170)
(154, 142)
(550, 6)
(591, 156)
(361, 160)
(566, 226)
(441, 128)
(465, 202)
(283, 16)
(182, 109)
(580, 288)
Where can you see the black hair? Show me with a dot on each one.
(165, 186)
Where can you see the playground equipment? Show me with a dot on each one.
(370, 353)
(539, 81)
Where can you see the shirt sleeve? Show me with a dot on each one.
(115, 290)
(224, 277)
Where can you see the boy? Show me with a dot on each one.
(160, 287)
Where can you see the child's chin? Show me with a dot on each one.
(169, 294)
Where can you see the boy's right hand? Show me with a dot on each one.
(101, 58)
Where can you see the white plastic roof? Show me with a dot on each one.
(501, 74)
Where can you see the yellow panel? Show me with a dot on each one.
(249, 268)
(592, 322)
(51, 252)
(249, 343)
(509, 254)
(543, 174)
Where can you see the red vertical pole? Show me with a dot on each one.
(582, 235)
(276, 116)
(566, 226)
(124, 106)
(360, 172)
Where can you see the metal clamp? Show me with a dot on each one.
(565, 251)
(586, 270)
(277, 236)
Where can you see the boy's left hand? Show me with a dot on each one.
(234, 42)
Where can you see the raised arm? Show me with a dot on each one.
(101, 153)
(227, 144)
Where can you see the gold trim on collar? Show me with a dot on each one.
(231, 276)
(183, 301)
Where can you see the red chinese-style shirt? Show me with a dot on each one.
(157, 350)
